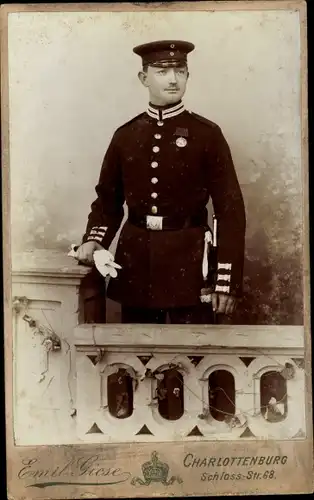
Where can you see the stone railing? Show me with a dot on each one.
(167, 384)
(116, 383)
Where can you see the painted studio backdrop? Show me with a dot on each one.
(73, 81)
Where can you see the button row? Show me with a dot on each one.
(154, 164)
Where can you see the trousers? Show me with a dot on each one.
(92, 308)
(202, 314)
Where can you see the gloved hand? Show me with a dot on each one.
(84, 253)
(104, 261)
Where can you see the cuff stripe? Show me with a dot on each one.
(222, 265)
(223, 277)
(94, 238)
(223, 289)
(97, 232)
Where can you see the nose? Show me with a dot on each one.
(172, 76)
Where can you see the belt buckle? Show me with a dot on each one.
(154, 222)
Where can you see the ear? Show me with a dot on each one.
(187, 76)
(142, 75)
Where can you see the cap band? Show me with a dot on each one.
(159, 57)
(170, 63)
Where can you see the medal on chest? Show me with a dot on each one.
(181, 142)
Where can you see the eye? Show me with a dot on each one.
(161, 72)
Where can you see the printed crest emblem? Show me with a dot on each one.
(181, 142)
(155, 471)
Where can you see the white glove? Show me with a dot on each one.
(104, 261)
(72, 252)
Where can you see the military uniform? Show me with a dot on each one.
(166, 164)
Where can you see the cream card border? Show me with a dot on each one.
(124, 461)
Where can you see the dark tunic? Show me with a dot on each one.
(170, 167)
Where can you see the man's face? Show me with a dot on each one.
(165, 85)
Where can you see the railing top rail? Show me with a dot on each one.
(46, 262)
(201, 336)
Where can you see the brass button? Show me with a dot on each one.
(172, 53)
(154, 180)
(154, 210)
(157, 136)
(160, 124)
(156, 149)
(154, 195)
(154, 164)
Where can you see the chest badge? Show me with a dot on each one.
(181, 142)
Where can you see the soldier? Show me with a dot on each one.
(166, 163)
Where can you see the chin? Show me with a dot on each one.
(172, 98)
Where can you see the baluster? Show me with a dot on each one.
(120, 394)
(170, 395)
(221, 387)
(274, 405)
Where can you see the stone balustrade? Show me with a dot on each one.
(216, 382)
(83, 383)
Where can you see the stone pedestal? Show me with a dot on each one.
(45, 285)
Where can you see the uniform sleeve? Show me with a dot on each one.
(107, 210)
(230, 213)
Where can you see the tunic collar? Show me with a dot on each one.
(165, 112)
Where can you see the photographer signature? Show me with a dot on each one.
(91, 467)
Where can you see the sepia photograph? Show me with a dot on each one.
(156, 214)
